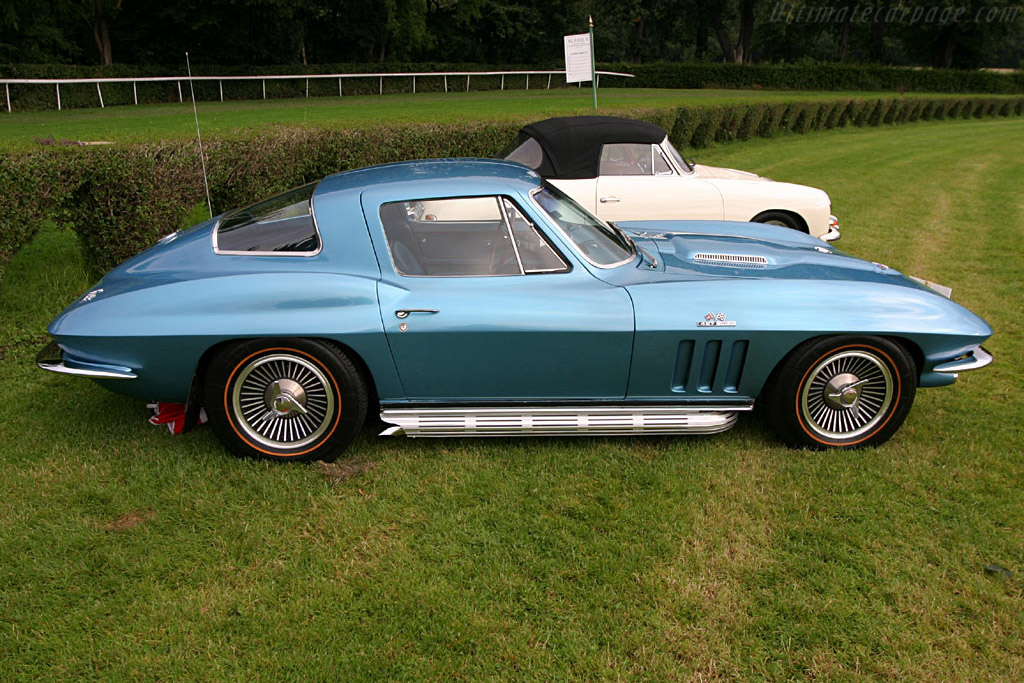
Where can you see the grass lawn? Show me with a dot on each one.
(161, 121)
(130, 553)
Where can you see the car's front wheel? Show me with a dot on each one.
(285, 399)
(780, 218)
(842, 392)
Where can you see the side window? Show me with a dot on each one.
(535, 253)
(661, 165)
(280, 226)
(468, 236)
(626, 158)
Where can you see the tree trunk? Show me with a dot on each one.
(702, 39)
(746, 38)
(728, 51)
(844, 39)
(638, 38)
(942, 48)
(101, 33)
(878, 35)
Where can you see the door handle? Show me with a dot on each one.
(610, 200)
(405, 312)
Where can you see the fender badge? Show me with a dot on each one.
(91, 295)
(712, 320)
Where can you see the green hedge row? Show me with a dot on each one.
(659, 75)
(820, 77)
(121, 199)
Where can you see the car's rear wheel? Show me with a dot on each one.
(842, 392)
(285, 399)
(780, 218)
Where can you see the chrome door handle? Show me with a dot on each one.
(610, 200)
(404, 312)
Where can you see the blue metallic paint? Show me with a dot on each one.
(628, 332)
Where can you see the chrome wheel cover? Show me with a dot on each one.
(781, 224)
(846, 395)
(283, 401)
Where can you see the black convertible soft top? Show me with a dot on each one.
(572, 144)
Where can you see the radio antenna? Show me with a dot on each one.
(202, 158)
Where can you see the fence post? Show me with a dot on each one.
(413, 85)
(527, 81)
(135, 91)
(502, 81)
(549, 81)
(264, 88)
(307, 87)
(381, 85)
(220, 84)
(58, 97)
(339, 86)
(446, 82)
(467, 82)
(100, 93)
(7, 90)
(180, 98)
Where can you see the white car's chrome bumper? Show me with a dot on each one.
(833, 230)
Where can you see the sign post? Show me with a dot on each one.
(579, 59)
(593, 64)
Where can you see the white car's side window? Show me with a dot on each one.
(633, 158)
(626, 158)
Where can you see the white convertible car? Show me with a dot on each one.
(621, 169)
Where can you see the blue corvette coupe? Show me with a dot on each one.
(470, 297)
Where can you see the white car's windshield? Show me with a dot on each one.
(683, 164)
(599, 243)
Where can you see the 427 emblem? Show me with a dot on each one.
(713, 320)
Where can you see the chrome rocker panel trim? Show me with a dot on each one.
(558, 421)
(978, 358)
(52, 358)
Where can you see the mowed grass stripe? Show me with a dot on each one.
(131, 553)
(166, 121)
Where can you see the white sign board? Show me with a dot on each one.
(578, 66)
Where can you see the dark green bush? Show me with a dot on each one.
(121, 199)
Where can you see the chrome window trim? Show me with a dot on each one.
(671, 169)
(572, 244)
(316, 227)
(391, 257)
(508, 231)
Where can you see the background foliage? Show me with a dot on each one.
(509, 31)
(121, 199)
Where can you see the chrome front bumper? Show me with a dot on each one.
(52, 358)
(833, 230)
(978, 358)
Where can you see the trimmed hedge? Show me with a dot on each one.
(121, 199)
(659, 75)
(819, 77)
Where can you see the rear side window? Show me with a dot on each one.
(280, 226)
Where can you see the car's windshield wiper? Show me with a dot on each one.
(647, 255)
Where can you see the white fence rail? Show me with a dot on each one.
(57, 82)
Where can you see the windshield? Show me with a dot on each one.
(599, 243)
(667, 144)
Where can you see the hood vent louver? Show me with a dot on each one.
(743, 261)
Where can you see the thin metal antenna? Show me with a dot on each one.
(202, 157)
